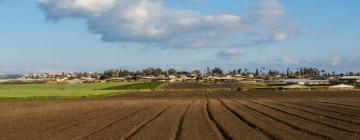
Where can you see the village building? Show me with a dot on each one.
(304, 82)
(172, 78)
(349, 80)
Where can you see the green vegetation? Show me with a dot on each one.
(34, 91)
(136, 86)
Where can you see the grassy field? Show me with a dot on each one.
(33, 91)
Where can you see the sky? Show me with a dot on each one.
(94, 35)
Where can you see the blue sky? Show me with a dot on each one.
(94, 35)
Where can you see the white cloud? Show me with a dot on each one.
(62, 8)
(152, 23)
(231, 53)
(279, 36)
(267, 12)
(289, 61)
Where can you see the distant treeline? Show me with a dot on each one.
(217, 71)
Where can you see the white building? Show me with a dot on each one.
(350, 79)
(305, 81)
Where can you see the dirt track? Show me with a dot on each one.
(190, 115)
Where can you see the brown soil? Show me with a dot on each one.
(187, 115)
(198, 85)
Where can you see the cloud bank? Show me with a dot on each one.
(152, 23)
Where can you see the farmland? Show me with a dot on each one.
(33, 91)
(196, 114)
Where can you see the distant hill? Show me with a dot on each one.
(10, 76)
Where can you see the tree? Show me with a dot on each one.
(148, 71)
(172, 71)
(217, 71)
(239, 71)
(124, 73)
(208, 71)
(183, 73)
(158, 72)
(288, 72)
(323, 72)
(351, 74)
(196, 72)
(257, 72)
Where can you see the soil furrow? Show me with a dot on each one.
(332, 107)
(311, 127)
(319, 107)
(318, 112)
(181, 122)
(285, 121)
(77, 122)
(249, 122)
(310, 117)
(235, 127)
(113, 122)
(219, 127)
(340, 104)
(143, 124)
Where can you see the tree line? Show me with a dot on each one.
(305, 72)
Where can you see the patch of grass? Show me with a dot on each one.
(136, 86)
(56, 91)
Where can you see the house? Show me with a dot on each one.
(305, 82)
(183, 78)
(239, 77)
(343, 87)
(172, 78)
(250, 76)
(349, 79)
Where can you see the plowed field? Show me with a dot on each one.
(187, 115)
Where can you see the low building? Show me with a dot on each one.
(172, 78)
(349, 79)
(305, 82)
